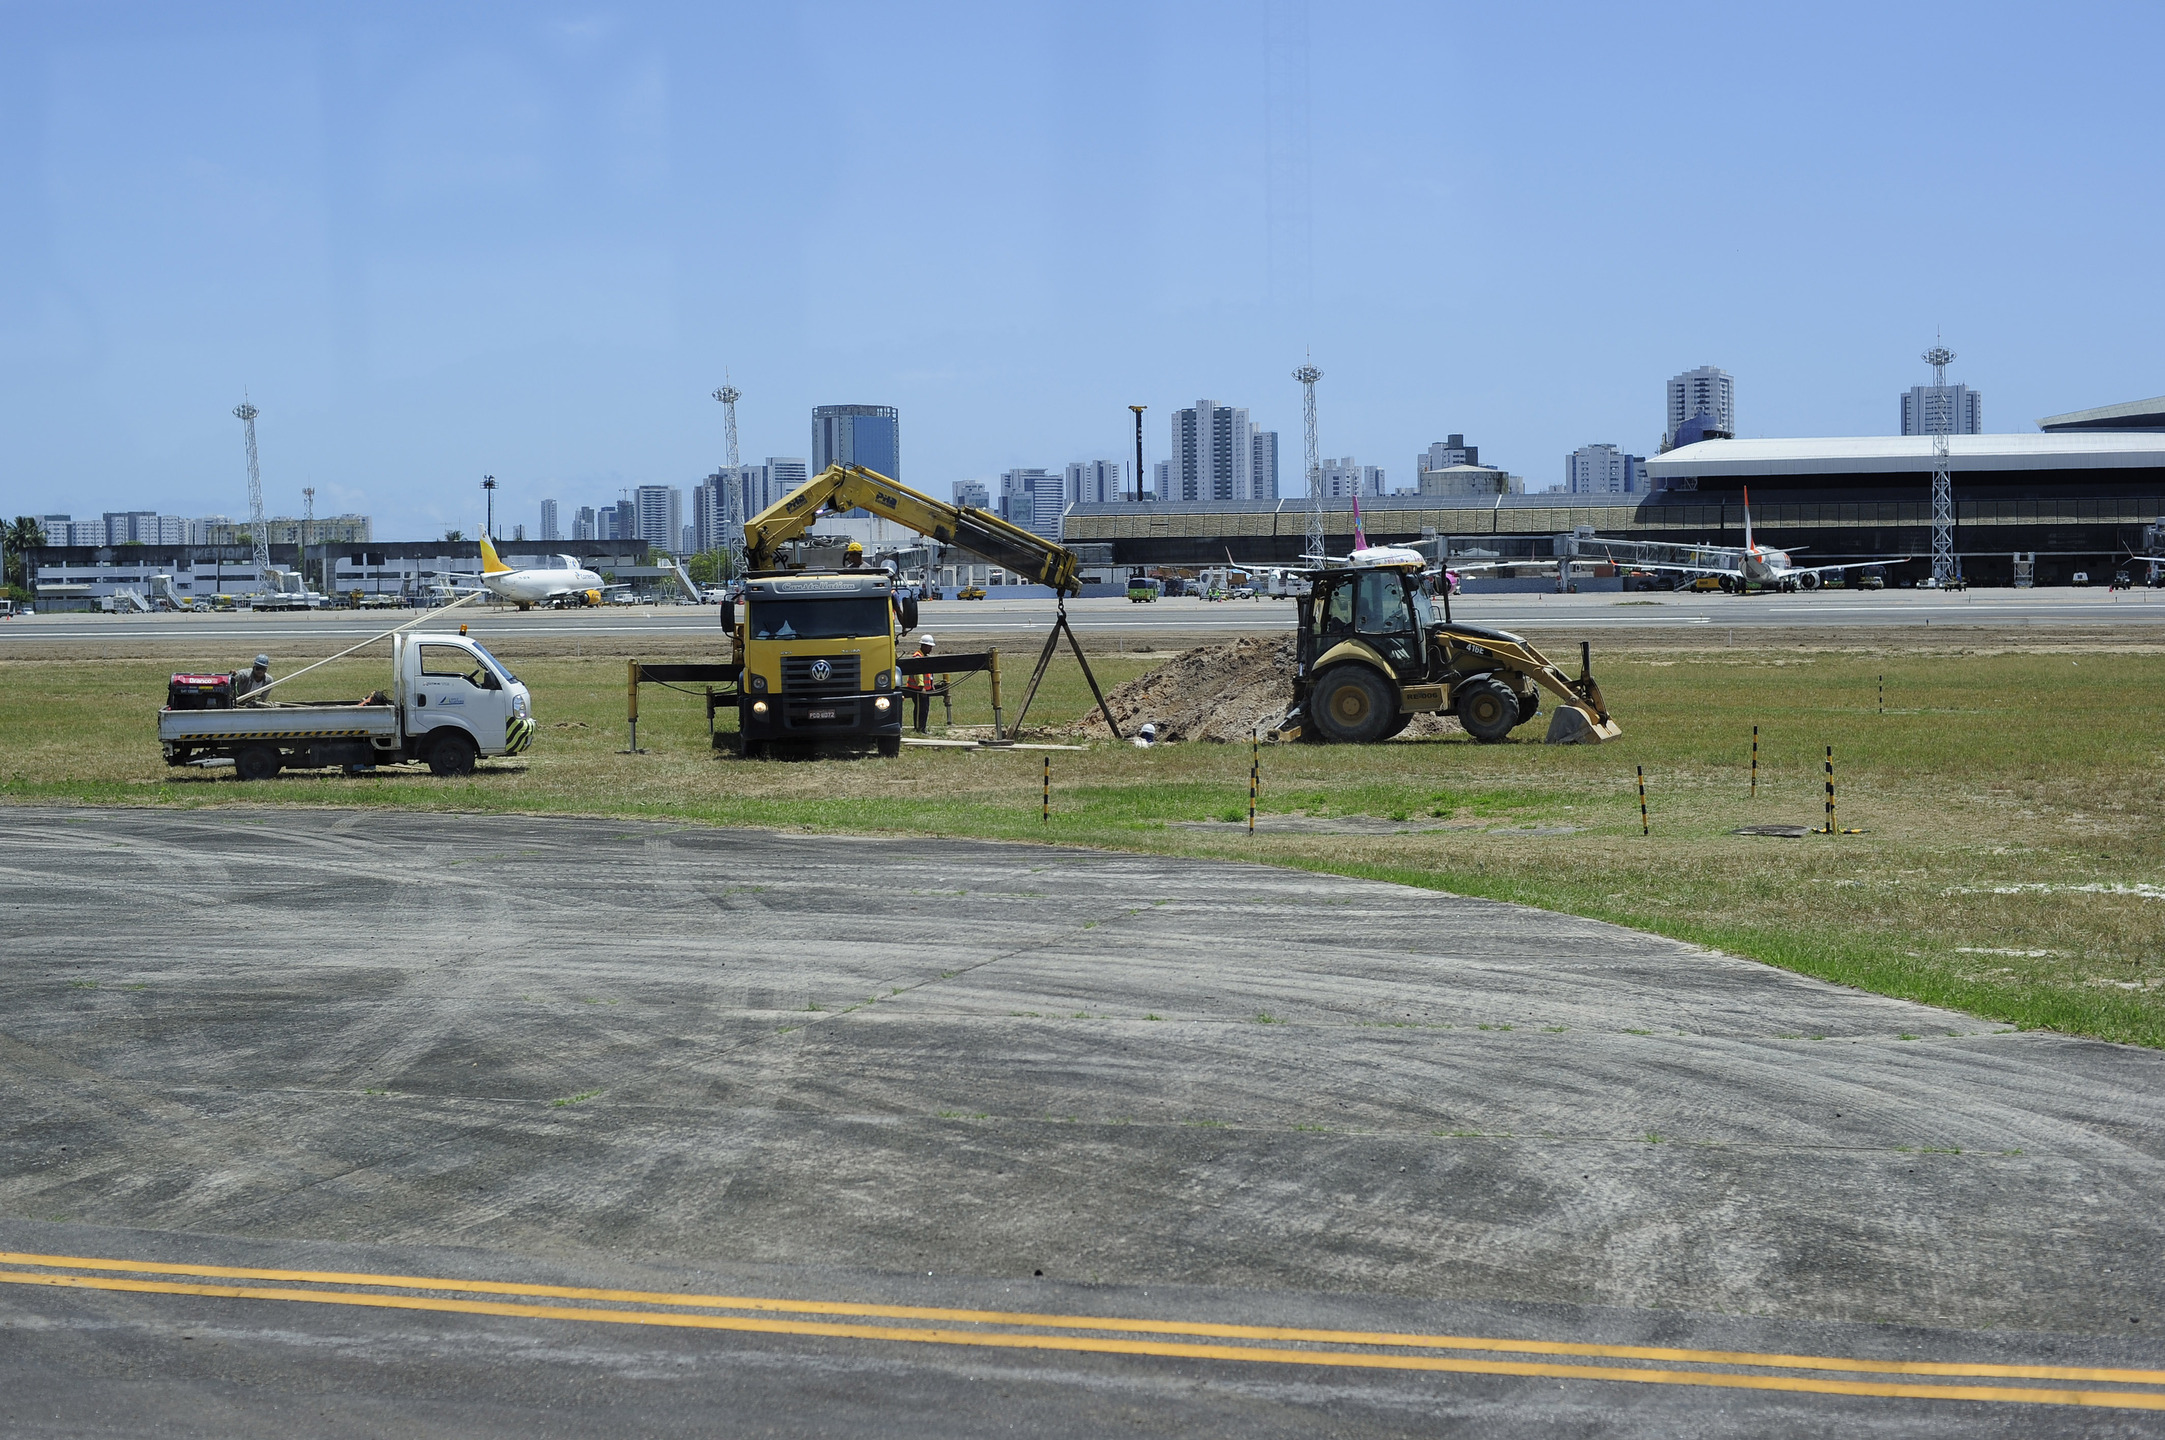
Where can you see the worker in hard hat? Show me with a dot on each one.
(853, 555)
(921, 686)
(248, 682)
(1146, 737)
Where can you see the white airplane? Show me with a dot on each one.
(565, 583)
(1738, 566)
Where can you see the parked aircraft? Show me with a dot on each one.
(567, 582)
(1737, 566)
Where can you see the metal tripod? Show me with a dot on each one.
(1052, 641)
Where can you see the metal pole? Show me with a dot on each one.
(488, 489)
(1138, 409)
(1046, 816)
(1755, 762)
(1645, 826)
(1255, 775)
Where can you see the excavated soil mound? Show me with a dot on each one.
(1220, 692)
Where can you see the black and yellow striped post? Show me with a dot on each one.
(1645, 826)
(1255, 776)
(1882, 694)
(1755, 762)
(1830, 790)
(1046, 815)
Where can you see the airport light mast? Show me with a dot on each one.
(1944, 567)
(246, 414)
(488, 491)
(733, 492)
(1138, 409)
(1308, 375)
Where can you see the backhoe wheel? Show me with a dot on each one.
(1398, 722)
(1352, 705)
(1488, 709)
(451, 753)
(1529, 705)
(256, 762)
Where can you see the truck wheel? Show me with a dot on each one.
(1529, 705)
(754, 749)
(256, 762)
(452, 753)
(1398, 722)
(1352, 705)
(890, 745)
(1488, 709)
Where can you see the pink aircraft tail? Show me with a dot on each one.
(1748, 520)
(1360, 531)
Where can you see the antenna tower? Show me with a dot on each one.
(733, 492)
(246, 414)
(1308, 375)
(1943, 502)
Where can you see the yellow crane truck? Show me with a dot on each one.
(818, 652)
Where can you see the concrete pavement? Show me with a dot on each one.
(830, 1071)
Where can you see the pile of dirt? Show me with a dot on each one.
(1220, 692)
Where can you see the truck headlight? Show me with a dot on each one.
(882, 703)
(759, 707)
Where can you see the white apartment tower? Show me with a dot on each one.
(1214, 454)
(549, 530)
(1705, 391)
(1350, 477)
(1942, 409)
(660, 515)
(1033, 499)
(1604, 470)
(1096, 482)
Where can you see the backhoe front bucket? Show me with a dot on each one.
(1576, 725)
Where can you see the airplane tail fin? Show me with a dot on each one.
(491, 562)
(1747, 518)
(1360, 531)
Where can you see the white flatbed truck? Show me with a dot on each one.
(451, 703)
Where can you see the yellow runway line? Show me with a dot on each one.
(2120, 1399)
(1248, 1353)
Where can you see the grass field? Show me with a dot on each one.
(2012, 862)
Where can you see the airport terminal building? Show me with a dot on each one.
(2053, 504)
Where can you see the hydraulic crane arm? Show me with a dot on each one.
(852, 487)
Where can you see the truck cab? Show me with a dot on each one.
(1372, 651)
(818, 651)
(451, 689)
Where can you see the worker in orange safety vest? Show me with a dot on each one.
(921, 686)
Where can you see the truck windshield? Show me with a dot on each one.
(501, 668)
(837, 619)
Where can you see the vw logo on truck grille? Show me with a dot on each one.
(821, 670)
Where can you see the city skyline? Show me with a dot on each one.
(493, 241)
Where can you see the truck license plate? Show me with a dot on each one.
(819, 714)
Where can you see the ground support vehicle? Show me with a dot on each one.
(1371, 653)
(451, 702)
(1142, 591)
(816, 653)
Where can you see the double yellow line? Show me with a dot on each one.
(1022, 1330)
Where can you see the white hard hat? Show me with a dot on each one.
(1148, 729)
(926, 639)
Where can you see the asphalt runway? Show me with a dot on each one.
(1829, 611)
(377, 1123)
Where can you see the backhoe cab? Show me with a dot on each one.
(1372, 653)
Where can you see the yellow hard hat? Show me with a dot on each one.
(855, 545)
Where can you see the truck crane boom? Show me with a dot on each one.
(852, 487)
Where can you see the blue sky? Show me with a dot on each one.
(437, 241)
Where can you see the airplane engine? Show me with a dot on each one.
(593, 597)
(1809, 580)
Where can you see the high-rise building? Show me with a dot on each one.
(1471, 480)
(582, 524)
(626, 524)
(131, 527)
(1213, 454)
(867, 435)
(1705, 391)
(55, 528)
(518, 534)
(1033, 499)
(1161, 479)
(973, 493)
(1096, 481)
(1445, 453)
(1263, 469)
(1350, 477)
(1942, 409)
(660, 516)
(548, 521)
(1604, 470)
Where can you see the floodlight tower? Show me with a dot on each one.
(733, 491)
(1943, 502)
(246, 414)
(308, 528)
(488, 492)
(1308, 375)
(1138, 409)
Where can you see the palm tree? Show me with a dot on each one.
(18, 539)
